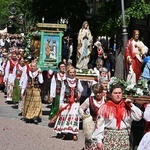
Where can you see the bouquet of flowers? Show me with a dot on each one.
(136, 90)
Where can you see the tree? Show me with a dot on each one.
(110, 18)
(3, 14)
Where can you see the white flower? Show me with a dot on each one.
(80, 70)
(130, 86)
(145, 84)
(93, 72)
(139, 91)
(89, 72)
(77, 70)
(112, 80)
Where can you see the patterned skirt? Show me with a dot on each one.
(16, 91)
(55, 107)
(113, 140)
(32, 103)
(68, 120)
(116, 139)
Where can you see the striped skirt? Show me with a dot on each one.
(32, 104)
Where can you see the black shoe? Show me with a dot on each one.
(59, 135)
(35, 120)
(20, 114)
(28, 120)
(39, 119)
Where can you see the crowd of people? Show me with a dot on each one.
(106, 115)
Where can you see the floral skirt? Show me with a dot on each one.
(116, 140)
(68, 120)
(113, 140)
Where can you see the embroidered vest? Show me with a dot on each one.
(147, 127)
(33, 82)
(68, 92)
(93, 109)
(12, 65)
(18, 72)
(58, 85)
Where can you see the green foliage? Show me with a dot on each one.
(3, 13)
(107, 22)
(138, 10)
(110, 15)
(136, 90)
(107, 18)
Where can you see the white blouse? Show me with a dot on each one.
(110, 123)
(86, 104)
(146, 114)
(32, 75)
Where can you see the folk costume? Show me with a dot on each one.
(1, 74)
(68, 119)
(9, 77)
(145, 142)
(88, 125)
(46, 85)
(57, 91)
(16, 89)
(32, 101)
(113, 125)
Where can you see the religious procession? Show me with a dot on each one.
(108, 109)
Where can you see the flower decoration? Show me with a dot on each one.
(85, 71)
(136, 90)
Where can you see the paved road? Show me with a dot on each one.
(18, 135)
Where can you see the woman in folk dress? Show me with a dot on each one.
(145, 142)
(68, 120)
(9, 75)
(114, 121)
(32, 101)
(92, 103)
(16, 88)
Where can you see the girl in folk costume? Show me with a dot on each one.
(57, 90)
(32, 100)
(68, 119)
(26, 69)
(92, 103)
(3, 66)
(2, 72)
(114, 121)
(9, 76)
(18, 72)
(145, 142)
(47, 75)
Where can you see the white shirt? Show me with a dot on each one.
(32, 75)
(110, 123)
